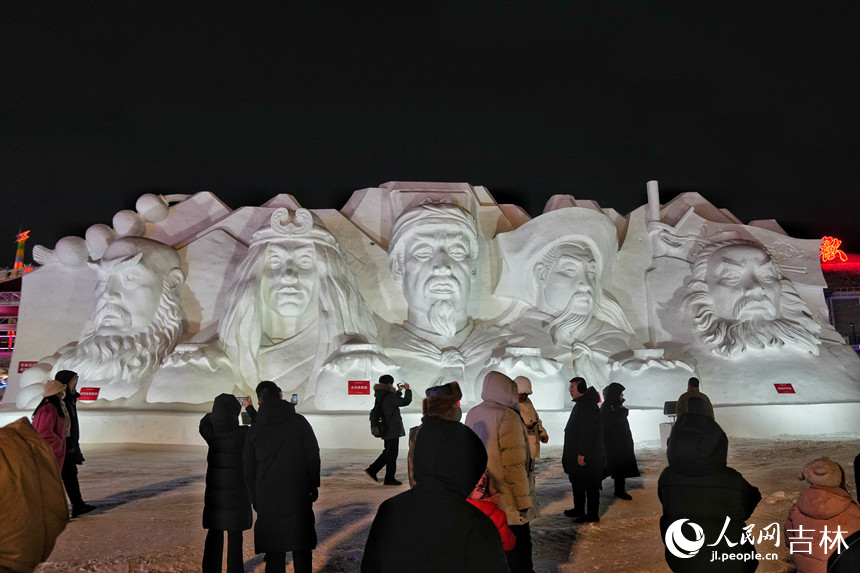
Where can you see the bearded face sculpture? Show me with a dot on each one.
(433, 251)
(739, 301)
(137, 319)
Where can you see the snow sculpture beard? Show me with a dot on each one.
(566, 327)
(442, 314)
(119, 358)
(730, 338)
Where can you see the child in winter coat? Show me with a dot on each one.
(825, 503)
(481, 498)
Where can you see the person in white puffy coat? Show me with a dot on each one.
(497, 422)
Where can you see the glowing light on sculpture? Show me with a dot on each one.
(830, 249)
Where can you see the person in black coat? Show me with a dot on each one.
(74, 457)
(582, 456)
(282, 474)
(699, 487)
(432, 527)
(391, 401)
(226, 506)
(617, 439)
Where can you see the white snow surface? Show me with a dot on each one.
(150, 503)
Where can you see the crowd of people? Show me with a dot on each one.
(471, 495)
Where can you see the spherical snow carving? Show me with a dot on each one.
(129, 224)
(71, 251)
(98, 238)
(152, 207)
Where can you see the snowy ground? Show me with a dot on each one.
(150, 501)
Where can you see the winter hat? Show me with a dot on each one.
(387, 379)
(52, 388)
(823, 472)
(443, 401)
(612, 393)
(65, 376)
(524, 385)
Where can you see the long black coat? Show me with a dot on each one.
(282, 472)
(225, 503)
(73, 441)
(392, 401)
(432, 528)
(583, 436)
(699, 487)
(617, 438)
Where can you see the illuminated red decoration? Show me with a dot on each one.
(23, 236)
(830, 249)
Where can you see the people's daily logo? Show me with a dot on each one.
(679, 545)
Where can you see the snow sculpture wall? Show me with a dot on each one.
(432, 282)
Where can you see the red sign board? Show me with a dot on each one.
(25, 365)
(784, 388)
(359, 387)
(89, 394)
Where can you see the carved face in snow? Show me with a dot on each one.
(567, 280)
(744, 283)
(289, 281)
(132, 276)
(436, 267)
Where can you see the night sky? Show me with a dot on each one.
(752, 106)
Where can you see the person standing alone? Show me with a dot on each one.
(582, 456)
(391, 402)
(282, 474)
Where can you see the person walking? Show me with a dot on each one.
(391, 400)
(432, 528)
(617, 439)
(226, 506)
(281, 460)
(497, 422)
(536, 433)
(692, 392)
(582, 454)
(73, 457)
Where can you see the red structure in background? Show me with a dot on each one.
(842, 273)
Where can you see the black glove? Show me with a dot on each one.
(315, 494)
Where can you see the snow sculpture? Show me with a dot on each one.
(293, 303)
(433, 248)
(740, 302)
(136, 322)
(556, 264)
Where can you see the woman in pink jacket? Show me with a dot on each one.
(825, 503)
(52, 420)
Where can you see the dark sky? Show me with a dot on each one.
(752, 106)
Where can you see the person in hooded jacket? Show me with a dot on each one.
(74, 457)
(826, 503)
(582, 457)
(698, 488)
(392, 401)
(226, 506)
(441, 401)
(34, 510)
(281, 461)
(431, 527)
(51, 419)
(498, 424)
(536, 432)
(617, 439)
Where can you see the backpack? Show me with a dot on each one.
(378, 427)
